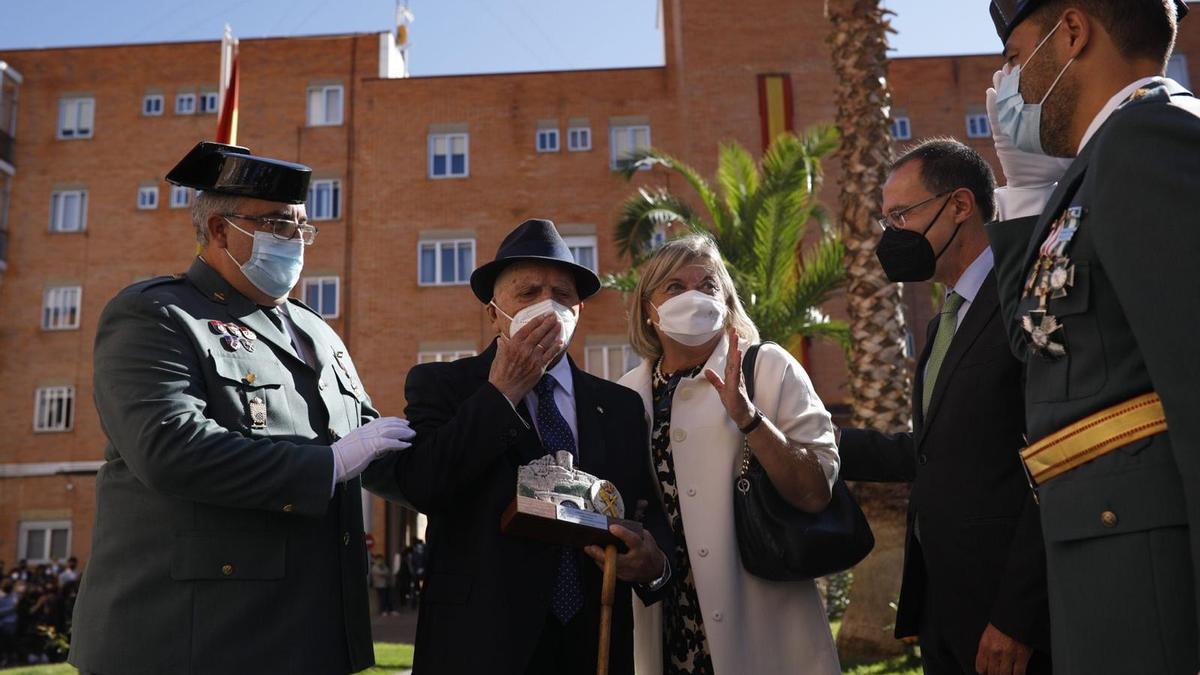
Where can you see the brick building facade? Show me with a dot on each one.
(415, 182)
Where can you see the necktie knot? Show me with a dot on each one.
(545, 386)
(952, 304)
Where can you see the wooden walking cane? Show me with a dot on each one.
(607, 591)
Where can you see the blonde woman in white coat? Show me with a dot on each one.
(690, 328)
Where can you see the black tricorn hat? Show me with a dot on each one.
(535, 240)
(1006, 14)
(232, 170)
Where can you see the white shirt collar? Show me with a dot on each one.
(972, 278)
(562, 375)
(1111, 107)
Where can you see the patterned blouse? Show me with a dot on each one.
(685, 647)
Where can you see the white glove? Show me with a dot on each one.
(356, 450)
(1022, 169)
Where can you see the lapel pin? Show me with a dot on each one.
(219, 296)
(217, 327)
(230, 343)
(247, 344)
(250, 378)
(600, 409)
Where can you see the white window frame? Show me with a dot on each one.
(442, 356)
(188, 98)
(176, 192)
(585, 133)
(56, 212)
(626, 353)
(577, 241)
(616, 162)
(319, 283)
(450, 138)
(318, 107)
(156, 99)
(551, 134)
(437, 262)
(48, 527)
(76, 117)
(208, 103)
(61, 307)
(44, 419)
(334, 186)
(902, 124)
(147, 197)
(976, 119)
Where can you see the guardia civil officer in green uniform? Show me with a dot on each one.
(1096, 256)
(229, 533)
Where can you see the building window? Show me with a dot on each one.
(181, 197)
(208, 102)
(1177, 69)
(325, 106)
(324, 200)
(547, 140)
(609, 361)
(152, 105)
(75, 117)
(579, 139)
(44, 541)
(448, 155)
(583, 248)
(147, 197)
(185, 104)
(624, 141)
(977, 126)
(439, 357)
(658, 237)
(68, 211)
(321, 293)
(60, 307)
(54, 409)
(902, 129)
(444, 263)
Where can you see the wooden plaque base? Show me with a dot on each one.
(546, 522)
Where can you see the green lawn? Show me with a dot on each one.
(394, 657)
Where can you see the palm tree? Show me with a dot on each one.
(758, 215)
(879, 366)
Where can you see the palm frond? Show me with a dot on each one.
(642, 213)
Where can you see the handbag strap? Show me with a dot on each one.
(748, 361)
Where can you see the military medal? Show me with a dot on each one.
(247, 344)
(1050, 279)
(1041, 328)
(217, 328)
(230, 343)
(234, 329)
(258, 413)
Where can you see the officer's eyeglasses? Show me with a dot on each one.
(282, 228)
(895, 219)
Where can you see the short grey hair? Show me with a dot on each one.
(208, 204)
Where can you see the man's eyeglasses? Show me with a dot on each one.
(895, 219)
(282, 228)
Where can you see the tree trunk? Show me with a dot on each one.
(879, 367)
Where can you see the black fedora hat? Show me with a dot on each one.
(535, 240)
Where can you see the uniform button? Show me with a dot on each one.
(679, 435)
(703, 553)
(1109, 519)
(321, 385)
(334, 434)
(288, 508)
(691, 492)
(922, 459)
(717, 616)
(227, 569)
(345, 538)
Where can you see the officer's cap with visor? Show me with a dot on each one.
(1008, 13)
(232, 170)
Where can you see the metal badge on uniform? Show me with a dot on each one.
(258, 413)
(217, 328)
(247, 344)
(1052, 277)
(249, 334)
(230, 343)
(234, 329)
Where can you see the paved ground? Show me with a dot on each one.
(401, 627)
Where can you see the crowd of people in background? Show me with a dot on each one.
(399, 585)
(35, 611)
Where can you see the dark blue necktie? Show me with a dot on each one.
(556, 436)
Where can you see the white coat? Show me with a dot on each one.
(753, 626)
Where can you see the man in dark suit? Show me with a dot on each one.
(229, 530)
(974, 586)
(1097, 283)
(497, 603)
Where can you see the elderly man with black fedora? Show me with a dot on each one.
(497, 603)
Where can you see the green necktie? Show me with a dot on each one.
(947, 322)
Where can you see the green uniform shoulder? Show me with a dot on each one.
(155, 282)
(299, 303)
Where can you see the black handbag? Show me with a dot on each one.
(779, 542)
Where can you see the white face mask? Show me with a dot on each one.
(692, 318)
(566, 318)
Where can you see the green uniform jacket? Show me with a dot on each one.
(220, 544)
(1123, 531)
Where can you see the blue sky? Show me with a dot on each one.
(449, 36)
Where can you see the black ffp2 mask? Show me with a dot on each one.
(906, 255)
